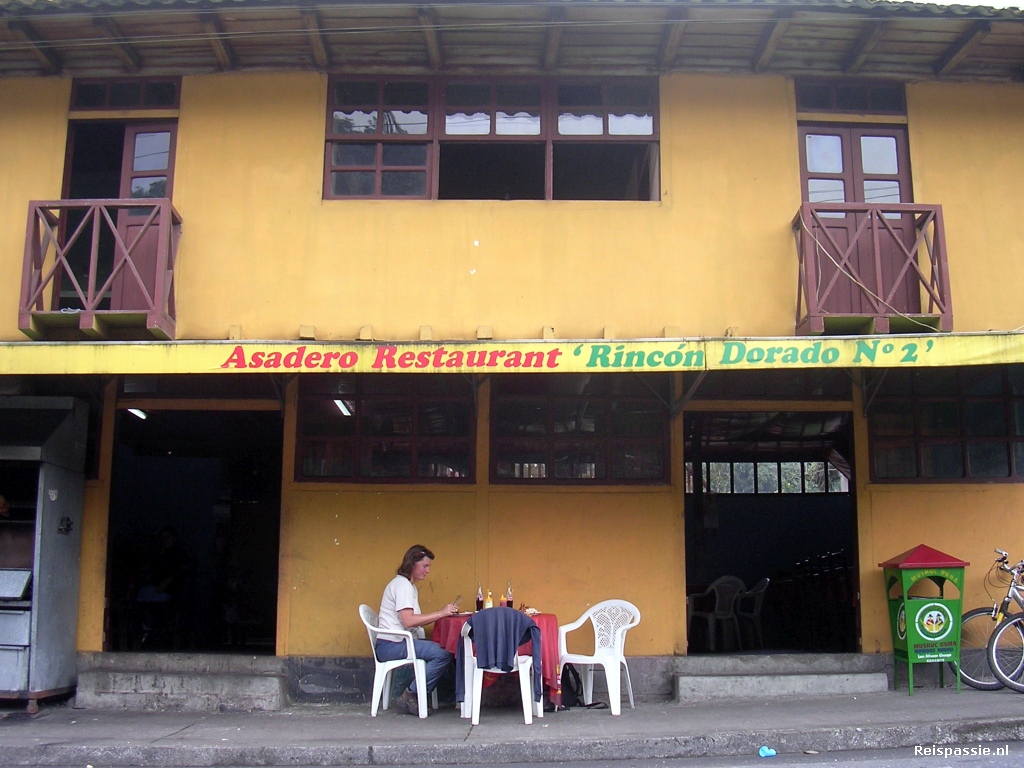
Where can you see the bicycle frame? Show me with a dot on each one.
(1015, 590)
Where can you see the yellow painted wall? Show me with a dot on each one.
(92, 587)
(965, 146)
(967, 521)
(346, 545)
(262, 250)
(33, 134)
(563, 548)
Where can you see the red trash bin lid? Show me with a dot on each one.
(923, 556)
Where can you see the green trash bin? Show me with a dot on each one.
(925, 629)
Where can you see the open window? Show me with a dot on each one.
(492, 140)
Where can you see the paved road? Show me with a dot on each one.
(969, 756)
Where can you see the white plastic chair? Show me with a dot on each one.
(474, 682)
(611, 620)
(382, 669)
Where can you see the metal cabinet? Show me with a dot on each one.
(42, 456)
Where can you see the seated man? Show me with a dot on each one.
(400, 609)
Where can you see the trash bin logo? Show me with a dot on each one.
(934, 621)
(901, 623)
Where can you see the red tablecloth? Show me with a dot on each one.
(448, 633)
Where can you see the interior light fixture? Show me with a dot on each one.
(137, 412)
(341, 407)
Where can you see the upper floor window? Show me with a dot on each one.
(949, 424)
(566, 429)
(121, 93)
(472, 139)
(386, 428)
(877, 97)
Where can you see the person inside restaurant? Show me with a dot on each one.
(400, 610)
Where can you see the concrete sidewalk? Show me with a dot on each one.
(347, 735)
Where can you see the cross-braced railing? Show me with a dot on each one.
(99, 268)
(875, 266)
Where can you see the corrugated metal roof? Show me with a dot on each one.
(888, 6)
(867, 38)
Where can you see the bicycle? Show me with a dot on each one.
(979, 625)
(1006, 649)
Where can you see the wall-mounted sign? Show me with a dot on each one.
(588, 356)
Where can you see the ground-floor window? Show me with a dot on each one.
(610, 428)
(387, 428)
(948, 424)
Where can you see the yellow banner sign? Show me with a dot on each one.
(656, 355)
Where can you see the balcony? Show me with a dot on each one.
(871, 269)
(99, 269)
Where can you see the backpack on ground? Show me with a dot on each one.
(572, 687)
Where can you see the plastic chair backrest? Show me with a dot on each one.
(726, 589)
(371, 622)
(753, 599)
(611, 620)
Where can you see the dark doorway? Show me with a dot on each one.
(195, 501)
(770, 496)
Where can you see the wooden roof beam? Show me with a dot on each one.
(42, 50)
(211, 25)
(672, 38)
(860, 50)
(553, 43)
(122, 49)
(322, 57)
(963, 47)
(770, 40)
(428, 21)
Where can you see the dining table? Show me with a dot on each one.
(448, 634)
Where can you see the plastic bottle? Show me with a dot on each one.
(479, 597)
(556, 696)
(489, 602)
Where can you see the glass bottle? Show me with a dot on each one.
(479, 597)
(508, 595)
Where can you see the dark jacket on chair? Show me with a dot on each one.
(497, 634)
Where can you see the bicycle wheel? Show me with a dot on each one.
(1006, 652)
(975, 630)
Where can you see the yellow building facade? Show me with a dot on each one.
(268, 261)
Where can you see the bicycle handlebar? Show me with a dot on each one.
(1003, 562)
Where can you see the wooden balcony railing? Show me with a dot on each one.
(99, 269)
(871, 268)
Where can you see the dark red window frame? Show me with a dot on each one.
(382, 415)
(436, 109)
(116, 93)
(935, 419)
(545, 440)
(851, 96)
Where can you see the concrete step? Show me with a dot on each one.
(181, 682)
(190, 663)
(779, 663)
(717, 687)
(752, 676)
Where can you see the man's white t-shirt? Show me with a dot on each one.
(400, 593)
